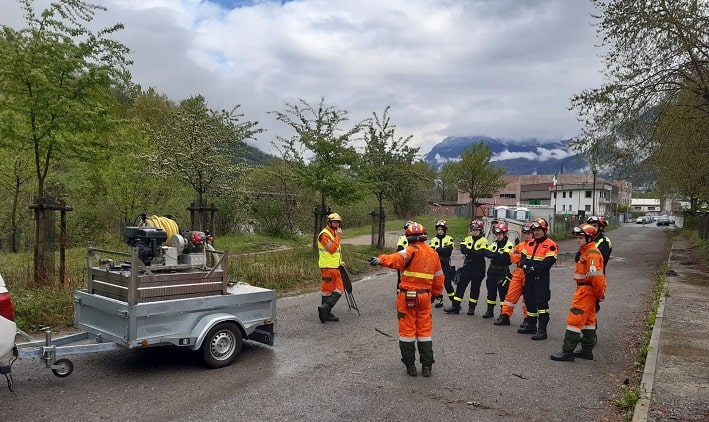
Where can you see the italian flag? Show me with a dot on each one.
(554, 181)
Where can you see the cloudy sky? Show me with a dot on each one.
(501, 68)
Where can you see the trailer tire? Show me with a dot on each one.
(62, 368)
(222, 345)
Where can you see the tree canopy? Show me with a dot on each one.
(656, 56)
(476, 174)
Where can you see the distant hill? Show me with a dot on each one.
(528, 156)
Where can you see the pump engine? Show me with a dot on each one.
(160, 242)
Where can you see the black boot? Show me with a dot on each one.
(502, 320)
(542, 330)
(324, 310)
(530, 326)
(426, 358)
(408, 356)
(471, 308)
(453, 309)
(489, 313)
(571, 339)
(588, 341)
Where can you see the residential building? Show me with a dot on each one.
(573, 194)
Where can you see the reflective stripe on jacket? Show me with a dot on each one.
(328, 249)
(420, 268)
(589, 270)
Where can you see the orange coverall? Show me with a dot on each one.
(517, 283)
(421, 272)
(331, 276)
(590, 286)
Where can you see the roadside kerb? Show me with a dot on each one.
(642, 406)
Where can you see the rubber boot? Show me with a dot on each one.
(588, 341)
(453, 309)
(408, 356)
(531, 326)
(324, 310)
(571, 339)
(426, 358)
(471, 308)
(542, 329)
(502, 320)
(334, 297)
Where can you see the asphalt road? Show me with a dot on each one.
(351, 370)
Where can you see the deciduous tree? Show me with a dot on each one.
(476, 174)
(386, 166)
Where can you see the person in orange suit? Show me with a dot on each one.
(517, 282)
(421, 282)
(329, 260)
(590, 289)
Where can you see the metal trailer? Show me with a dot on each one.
(134, 305)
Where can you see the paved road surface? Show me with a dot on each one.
(351, 370)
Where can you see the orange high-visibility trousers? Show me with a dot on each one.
(582, 315)
(331, 281)
(513, 293)
(415, 323)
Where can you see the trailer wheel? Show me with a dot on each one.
(222, 345)
(62, 368)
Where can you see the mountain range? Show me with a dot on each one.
(528, 156)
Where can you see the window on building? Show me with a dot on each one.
(508, 195)
(587, 207)
(563, 207)
(563, 194)
(651, 208)
(535, 202)
(588, 194)
(571, 194)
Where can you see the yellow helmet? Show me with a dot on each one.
(334, 217)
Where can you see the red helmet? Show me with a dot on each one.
(585, 229)
(407, 224)
(476, 225)
(500, 228)
(602, 223)
(540, 223)
(527, 228)
(415, 229)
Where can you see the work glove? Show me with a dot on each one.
(528, 269)
(374, 261)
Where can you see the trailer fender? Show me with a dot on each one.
(205, 324)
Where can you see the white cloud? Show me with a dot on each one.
(541, 154)
(502, 68)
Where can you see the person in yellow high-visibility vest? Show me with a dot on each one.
(329, 261)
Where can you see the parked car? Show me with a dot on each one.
(663, 220)
(8, 329)
(645, 219)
